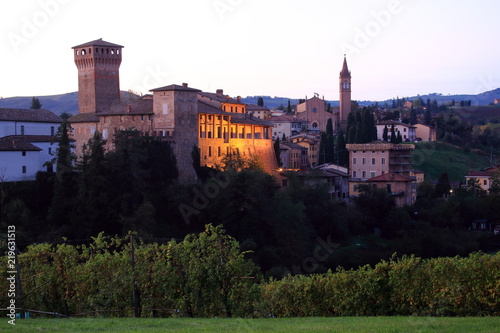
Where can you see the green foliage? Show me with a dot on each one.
(35, 103)
(405, 286)
(205, 275)
(276, 146)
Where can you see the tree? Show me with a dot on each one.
(260, 101)
(289, 107)
(35, 103)
(341, 151)
(61, 206)
(385, 134)
(443, 186)
(283, 138)
(427, 116)
(276, 146)
(413, 116)
(322, 149)
(393, 134)
(351, 127)
(329, 144)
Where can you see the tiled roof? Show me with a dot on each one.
(97, 42)
(286, 118)
(140, 106)
(396, 123)
(14, 145)
(220, 98)
(249, 120)
(345, 71)
(29, 115)
(291, 145)
(175, 87)
(480, 173)
(84, 118)
(255, 107)
(208, 107)
(29, 138)
(390, 177)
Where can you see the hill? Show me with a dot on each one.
(434, 158)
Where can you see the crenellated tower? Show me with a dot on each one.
(344, 93)
(98, 64)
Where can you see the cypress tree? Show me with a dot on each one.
(385, 134)
(393, 134)
(341, 151)
(260, 101)
(277, 151)
(35, 103)
(322, 149)
(330, 144)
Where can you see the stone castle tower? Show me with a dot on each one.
(344, 94)
(98, 64)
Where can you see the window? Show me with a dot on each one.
(354, 174)
(389, 188)
(51, 130)
(22, 129)
(364, 174)
(50, 150)
(364, 161)
(383, 160)
(373, 161)
(485, 182)
(24, 153)
(354, 160)
(372, 174)
(209, 151)
(24, 168)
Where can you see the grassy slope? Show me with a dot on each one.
(436, 158)
(339, 324)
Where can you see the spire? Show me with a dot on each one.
(345, 71)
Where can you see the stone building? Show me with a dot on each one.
(186, 117)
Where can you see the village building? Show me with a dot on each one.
(313, 111)
(186, 117)
(371, 160)
(310, 141)
(287, 125)
(258, 111)
(293, 156)
(425, 133)
(408, 132)
(484, 176)
(26, 142)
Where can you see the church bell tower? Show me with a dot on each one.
(344, 93)
(98, 64)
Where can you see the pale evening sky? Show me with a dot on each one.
(286, 48)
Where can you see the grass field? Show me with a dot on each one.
(434, 158)
(338, 324)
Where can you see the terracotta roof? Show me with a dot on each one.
(84, 118)
(249, 120)
(97, 42)
(138, 107)
(480, 173)
(221, 98)
(390, 177)
(285, 145)
(29, 115)
(255, 107)
(286, 118)
(14, 145)
(207, 107)
(29, 138)
(396, 123)
(345, 71)
(175, 87)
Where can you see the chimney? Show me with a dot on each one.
(184, 84)
(129, 108)
(239, 99)
(219, 92)
(14, 144)
(227, 98)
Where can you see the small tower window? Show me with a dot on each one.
(90, 51)
(83, 52)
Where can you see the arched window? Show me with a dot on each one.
(83, 52)
(315, 125)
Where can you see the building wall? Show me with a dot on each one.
(30, 128)
(407, 132)
(426, 133)
(12, 163)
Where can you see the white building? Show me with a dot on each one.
(26, 138)
(408, 132)
(288, 125)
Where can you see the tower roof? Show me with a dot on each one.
(97, 42)
(345, 71)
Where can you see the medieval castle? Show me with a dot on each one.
(215, 123)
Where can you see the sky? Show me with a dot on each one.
(286, 48)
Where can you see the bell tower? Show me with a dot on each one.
(344, 93)
(98, 64)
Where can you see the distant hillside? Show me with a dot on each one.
(485, 98)
(69, 102)
(434, 158)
